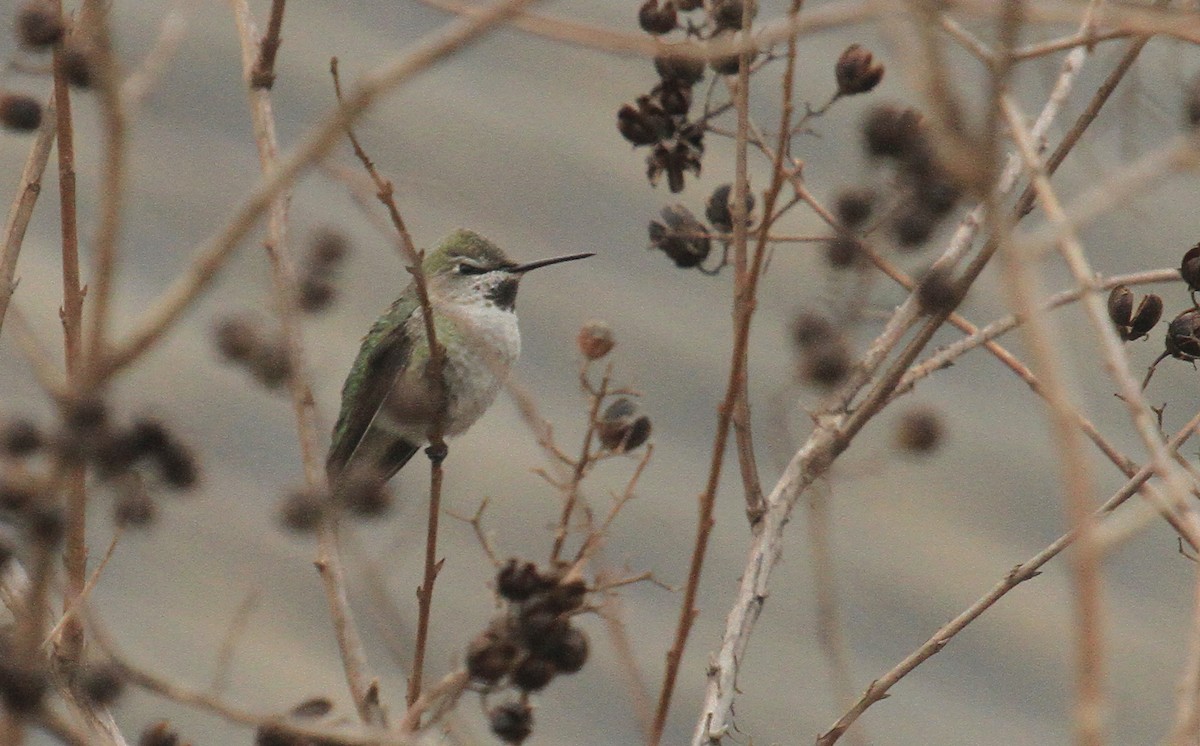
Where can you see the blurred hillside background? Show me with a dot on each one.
(515, 137)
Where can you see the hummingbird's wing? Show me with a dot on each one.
(385, 354)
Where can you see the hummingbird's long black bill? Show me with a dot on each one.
(548, 262)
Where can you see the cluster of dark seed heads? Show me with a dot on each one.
(659, 119)
(39, 27)
(822, 352)
(685, 239)
(241, 340)
(529, 642)
(1183, 333)
(926, 191)
(25, 680)
(317, 284)
(119, 455)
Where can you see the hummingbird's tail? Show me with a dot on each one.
(373, 463)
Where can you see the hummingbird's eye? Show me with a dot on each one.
(466, 268)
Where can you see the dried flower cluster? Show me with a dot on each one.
(529, 642)
(121, 457)
(660, 119)
(924, 191)
(1182, 340)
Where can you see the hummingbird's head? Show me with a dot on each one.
(469, 268)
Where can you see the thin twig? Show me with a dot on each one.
(19, 215)
(743, 312)
(77, 602)
(584, 460)
(328, 560)
(1019, 574)
(71, 313)
(262, 75)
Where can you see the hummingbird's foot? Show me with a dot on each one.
(437, 453)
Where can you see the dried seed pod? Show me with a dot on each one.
(134, 509)
(533, 674)
(595, 340)
(490, 657)
(270, 364)
(19, 112)
(1120, 308)
(657, 20)
(892, 132)
(1149, 312)
(732, 14)
(78, 65)
(158, 734)
(919, 431)
(539, 623)
(46, 525)
(844, 251)
(680, 236)
(237, 337)
(635, 127)
(39, 24)
(684, 71)
(1191, 108)
(935, 191)
(853, 206)
(177, 466)
(674, 98)
(22, 686)
(569, 652)
(302, 510)
(102, 684)
(511, 722)
(728, 64)
(677, 159)
(912, 225)
(1183, 336)
(810, 330)
(937, 291)
(719, 208)
(567, 596)
(826, 366)
(20, 438)
(328, 247)
(1189, 268)
(517, 581)
(620, 429)
(856, 71)
(315, 294)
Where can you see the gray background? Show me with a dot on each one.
(515, 138)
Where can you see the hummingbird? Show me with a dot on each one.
(389, 402)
